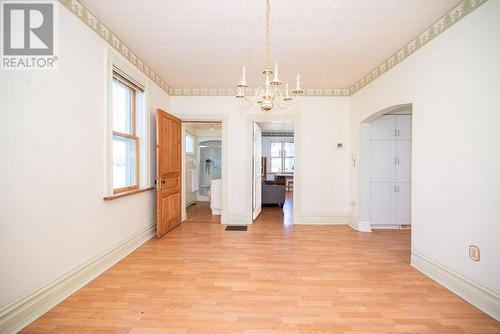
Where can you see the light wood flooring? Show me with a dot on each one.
(273, 278)
(200, 212)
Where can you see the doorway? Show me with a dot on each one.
(273, 171)
(202, 164)
(385, 179)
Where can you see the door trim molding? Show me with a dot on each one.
(222, 118)
(269, 117)
(473, 292)
(24, 311)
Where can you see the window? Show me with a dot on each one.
(282, 157)
(189, 143)
(126, 148)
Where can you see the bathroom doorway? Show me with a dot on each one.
(203, 172)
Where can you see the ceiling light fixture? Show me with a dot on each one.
(271, 93)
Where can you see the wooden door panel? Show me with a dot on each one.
(168, 193)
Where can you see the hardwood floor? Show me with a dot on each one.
(200, 212)
(275, 214)
(273, 278)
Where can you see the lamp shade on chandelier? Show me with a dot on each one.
(271, 94)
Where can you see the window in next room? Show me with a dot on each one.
(282, 157)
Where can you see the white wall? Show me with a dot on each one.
(325, 171)
(453, 84)
(52, 127)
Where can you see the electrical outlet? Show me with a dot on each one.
(474, 253)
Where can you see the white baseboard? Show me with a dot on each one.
(385, 227)
(361, 226)
(236, 218)
(473, 292)
(324, 219)
(21, 313)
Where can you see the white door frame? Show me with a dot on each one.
(204, 118)
(296, 119)
(256, 210)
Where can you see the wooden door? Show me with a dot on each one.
(168, 172)
(257, 171)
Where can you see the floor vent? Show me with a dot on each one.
(405, 227)
(236, 228)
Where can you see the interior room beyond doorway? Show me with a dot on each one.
(203, 170)
(274, 166)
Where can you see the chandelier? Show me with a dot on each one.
(270, 94)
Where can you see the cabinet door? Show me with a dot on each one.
(403, 167)
(403, 127)
(403, 204)
(382, 161)
(382, 198)
(383, 128)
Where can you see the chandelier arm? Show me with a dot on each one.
(245, 103)
(279, 99)
(270, 94)
(253, 99)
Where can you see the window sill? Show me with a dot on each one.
(127, 193)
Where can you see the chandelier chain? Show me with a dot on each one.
(268, 40)
(270, 95)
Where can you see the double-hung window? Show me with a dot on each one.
(126, 149)
(282, 157)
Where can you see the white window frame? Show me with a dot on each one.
(142, 108)
(188, 134)
(281, 156)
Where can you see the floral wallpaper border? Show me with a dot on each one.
(86, 16)
(446, 21)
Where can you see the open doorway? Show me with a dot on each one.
(203, 172)
(273, 171)
(385, 178)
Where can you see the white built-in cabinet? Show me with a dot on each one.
(390, 170)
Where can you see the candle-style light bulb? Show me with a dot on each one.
(276, 79)
(243, 81)
(298, 90)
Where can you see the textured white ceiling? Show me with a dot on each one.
(204, 43)
(276, 126)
